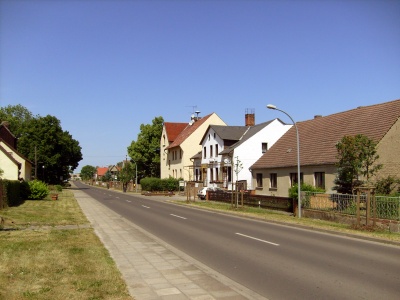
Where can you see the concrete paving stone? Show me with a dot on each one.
(168, 291)
(203, 297)
(155, 280)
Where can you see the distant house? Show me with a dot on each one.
(179, 142)
(229, 151)
(276, 171)
(14, 165)
(100, 172)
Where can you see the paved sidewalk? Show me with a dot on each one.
(151, 268)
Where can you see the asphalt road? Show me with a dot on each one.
(278, 262)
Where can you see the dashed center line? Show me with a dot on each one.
(145, 206)
(260, 240)
(178, 216)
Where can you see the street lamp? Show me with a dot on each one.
(271, 106)
(135, 175)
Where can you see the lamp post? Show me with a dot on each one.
(271, 106)
(135, 175)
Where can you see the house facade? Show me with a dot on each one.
(228, 152)
(276, 171)
(179, 142)
(14, 165)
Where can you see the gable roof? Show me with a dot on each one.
(173, 130)
(319, 136)
(9, 156)
(252, 130)
(102, 171)
(189, 129)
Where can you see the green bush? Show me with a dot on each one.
(153, 184)
(39, 190)
(293, 191)
(170, 184)
(13, 193)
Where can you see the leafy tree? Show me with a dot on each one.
(18, 118)
(107, 176)
(1, 173)
(126, 174)
(88, 172)
(356, 157)
(57, 152)
(145, 151)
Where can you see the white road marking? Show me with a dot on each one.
(145, 206)
(178, 216)
(128, 201)
(250, 237)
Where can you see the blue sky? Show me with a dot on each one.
(103, 67)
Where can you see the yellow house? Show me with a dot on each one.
(14, 165)
(179, 142)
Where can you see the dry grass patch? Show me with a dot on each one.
(64, 211)
(53, 263)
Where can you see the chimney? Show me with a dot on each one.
(250, 119)
(317, 116)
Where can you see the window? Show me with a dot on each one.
(264, 147)
(216, 149)
(273, 180)
(211, 174)
(229, 173)
(205, 152)
(180, 154)
(319, 179)
(259, 179)
(293, 178)
(211, 151)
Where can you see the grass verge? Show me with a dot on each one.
(283, 218)
(51, 263)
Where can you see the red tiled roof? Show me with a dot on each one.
(189, 129)
(173, 130)
(319, 136)
(101, 171)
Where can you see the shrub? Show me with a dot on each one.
(388, 186)
(151, 184)
(39, 190)
(156, 184)
(304, 188)
(170, 184)
(12, 193)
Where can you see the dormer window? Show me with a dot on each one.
(264, 147)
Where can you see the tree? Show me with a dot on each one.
(126, 174)
(107, 176)
(88, 172)
(18, 118)
(145, 151)
(57, 153)
(356, 157)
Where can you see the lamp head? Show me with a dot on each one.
(271, 106)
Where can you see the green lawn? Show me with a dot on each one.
(40, 261)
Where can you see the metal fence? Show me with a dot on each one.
(247, 199)
(382, 206)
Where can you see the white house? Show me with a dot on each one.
(228, 152)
